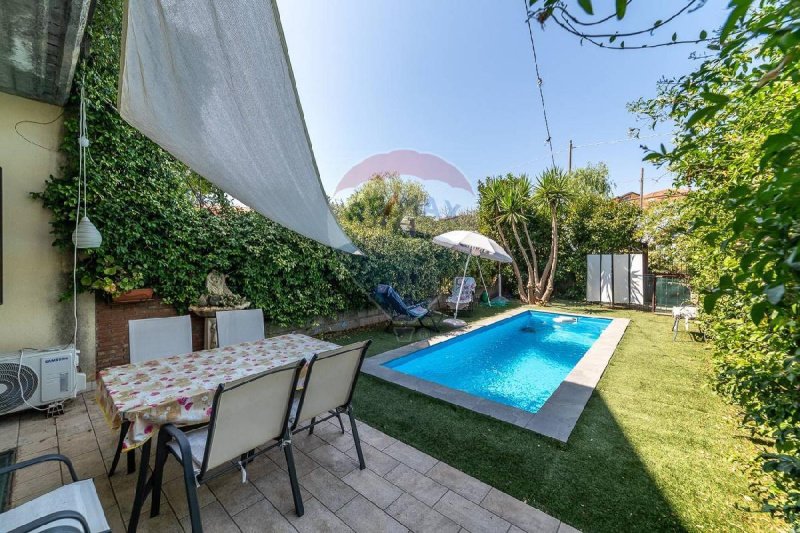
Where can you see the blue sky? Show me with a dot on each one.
(455, 78)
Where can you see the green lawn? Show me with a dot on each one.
(654, 449)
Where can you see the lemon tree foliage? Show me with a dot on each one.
(165, 227)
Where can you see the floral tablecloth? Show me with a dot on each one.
(180, 389)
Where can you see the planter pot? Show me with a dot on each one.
(133, 296)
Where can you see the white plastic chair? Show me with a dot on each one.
(235, 327)
(149, 339)
(71, 505)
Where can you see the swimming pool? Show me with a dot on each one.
(519, 361)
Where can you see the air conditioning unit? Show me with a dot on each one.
(39, 378)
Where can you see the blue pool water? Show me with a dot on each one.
(519, 361)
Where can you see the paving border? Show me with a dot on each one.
(559, 414)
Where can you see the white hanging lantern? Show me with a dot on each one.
(86, 235)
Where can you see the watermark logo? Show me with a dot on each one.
(447, 186)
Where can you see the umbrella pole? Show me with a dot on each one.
(488, 298)
(461, 287)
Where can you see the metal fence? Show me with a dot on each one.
(665, 291)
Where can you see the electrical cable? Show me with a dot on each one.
(16, 130)
(539, 83)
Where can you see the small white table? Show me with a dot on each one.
(685, 312)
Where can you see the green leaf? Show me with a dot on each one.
(738, 12)
(586, 5)
(710, 300)
(622, 5)
(701, 114)
(612, 38)
(674, 37)
(715, 98)
(703, 35)
(758, 312)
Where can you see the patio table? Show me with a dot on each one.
(180, 389)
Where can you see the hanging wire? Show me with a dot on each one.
(16, 130)
(540, 82)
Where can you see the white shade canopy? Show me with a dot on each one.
(474, 244)
(211, 83)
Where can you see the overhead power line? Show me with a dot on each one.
(539, 83)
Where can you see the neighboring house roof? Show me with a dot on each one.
(654, 197)
(40, 43)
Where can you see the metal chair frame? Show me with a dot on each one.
(346, 408)
(193, 480)
(58, 515)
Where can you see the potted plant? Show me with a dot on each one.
(122, 286)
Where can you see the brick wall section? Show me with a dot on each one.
(111, 322)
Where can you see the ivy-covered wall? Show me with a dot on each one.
(157, 234)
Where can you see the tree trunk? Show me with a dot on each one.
(541, 287)
(554, 250)
(533, 253)
(514, 266)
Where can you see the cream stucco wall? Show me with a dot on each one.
(35, 273)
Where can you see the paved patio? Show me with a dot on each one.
(402, 488)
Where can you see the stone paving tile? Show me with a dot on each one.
(420, 518)
(332, 492)
(376, 460)
(166, 521)
(114, 519)
(9, 432)
(364, 517)
(214, 519)
(175, 491)
(306, 443)
(334, 460)
(373, 437)
(459, 482)
(373, 487)
(519, 513)
(262, 516)
(469, 514)
(22, 492)
(303, 464)
(327, 466)
(234, 495)
(276, 488)
(421, 462)
(418, 485)
(317, 518)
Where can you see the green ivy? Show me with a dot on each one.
(165, 228)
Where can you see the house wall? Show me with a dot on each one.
(35, 273)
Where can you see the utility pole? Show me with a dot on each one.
(569, 167)
(641, 189)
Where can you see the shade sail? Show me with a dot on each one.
(474, 244)
(210, 82)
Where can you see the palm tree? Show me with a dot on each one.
(493, 200)
(515, 210)
(551, 194)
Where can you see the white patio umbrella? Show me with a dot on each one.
(474, 245)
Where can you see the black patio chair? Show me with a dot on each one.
(403, 314)
(246, 415)
(58, 509)
(328, 391)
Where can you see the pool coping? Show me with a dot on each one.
(559, 414)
